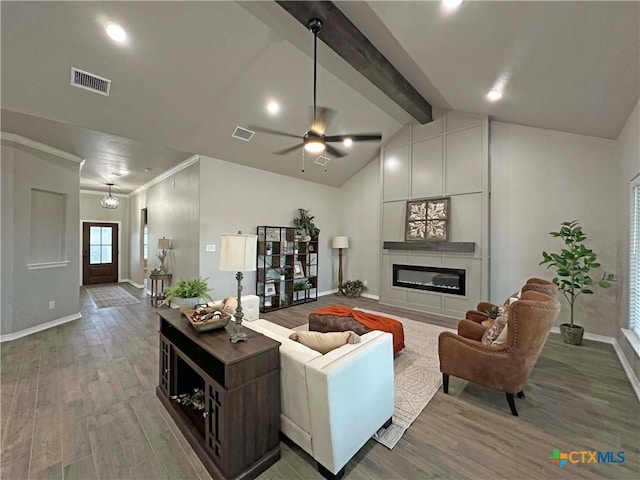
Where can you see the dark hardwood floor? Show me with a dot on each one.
(78, 402)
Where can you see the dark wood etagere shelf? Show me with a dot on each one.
(287, 268)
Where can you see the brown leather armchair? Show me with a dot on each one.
(505, 367)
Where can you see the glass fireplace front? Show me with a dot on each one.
(435, 279)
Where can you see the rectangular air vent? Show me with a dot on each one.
(243, 134)
(321, 160)
(89, 81)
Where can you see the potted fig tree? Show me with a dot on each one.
(573, 265)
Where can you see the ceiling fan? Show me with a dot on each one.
(315, 140)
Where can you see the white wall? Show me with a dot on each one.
(91, 210)
(540, 178)
(26, 292)
(629, 160)
(360, 205)
(234, 197)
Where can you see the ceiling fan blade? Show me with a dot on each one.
(256, 128)
(288, 150)
(334, 151)
(356, 137)
(324, 116)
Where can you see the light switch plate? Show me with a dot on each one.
(211, 248)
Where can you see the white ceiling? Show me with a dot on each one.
(194, 70)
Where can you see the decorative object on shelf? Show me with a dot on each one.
(269, 248)
(238, 254)
(164, 245)
(304, 222)
(427, 219)
(301, 285)
(272, 234)
(283, 274)
(298, 271)
(195, 399)
(187, 292)
(573, 266)
(353, 288)
(269, 289)
(109, 201)
(340, 243)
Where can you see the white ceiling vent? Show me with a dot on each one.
(243, 134)
(321, 160)
(89, 81)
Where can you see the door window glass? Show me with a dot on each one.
(100, 245)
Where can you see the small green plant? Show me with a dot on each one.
(494, 312)
(353, 288)
(192, 288)
(304, 221)
(573, 265)
(301, 285)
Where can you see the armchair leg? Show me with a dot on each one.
(521, 394)
(445, 382)
(512, 404)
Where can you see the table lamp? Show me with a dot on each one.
(238, 254)
(340, 243)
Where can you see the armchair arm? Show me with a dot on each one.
(485, 306)
(472, 361)
(476, 316)
(470, 329)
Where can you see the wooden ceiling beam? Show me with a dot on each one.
(344, 38)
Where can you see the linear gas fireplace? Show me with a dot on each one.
(435, 279)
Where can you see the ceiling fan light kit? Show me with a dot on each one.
(315, 140)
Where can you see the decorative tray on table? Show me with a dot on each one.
(204, 318)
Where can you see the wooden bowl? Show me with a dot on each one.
(195, 316)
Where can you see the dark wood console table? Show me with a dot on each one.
(237, 433)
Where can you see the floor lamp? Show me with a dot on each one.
(340, 243)
(238, 254)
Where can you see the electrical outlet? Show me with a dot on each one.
(365, 283)
(52, 304)
(211, 248)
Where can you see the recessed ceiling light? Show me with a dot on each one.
(116, 32)
(494, 95)
(451, 3)
(273, 107)
(347, 142)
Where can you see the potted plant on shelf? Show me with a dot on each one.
(187, 293)
(283, 273)
(573, 266)
(353, 288)
(304, 222)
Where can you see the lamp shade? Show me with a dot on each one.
(238, 252)
(164, 244)
(340, 242)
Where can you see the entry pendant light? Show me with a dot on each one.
(109, 201)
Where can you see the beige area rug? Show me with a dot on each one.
(417, 375)
(111, 296)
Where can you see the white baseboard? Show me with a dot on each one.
(635, 383)
(333, 292)
(38, 328)
(368, 295)
(327, 292)
(137, 285)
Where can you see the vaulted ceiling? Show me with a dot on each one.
(193, 71)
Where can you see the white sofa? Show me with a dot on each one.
(333, 403)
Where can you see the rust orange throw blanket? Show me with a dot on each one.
(370, 320)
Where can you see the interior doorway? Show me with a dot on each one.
(99, 252)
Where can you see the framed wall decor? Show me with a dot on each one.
(427, 219)
(298, 271)
(269, 289)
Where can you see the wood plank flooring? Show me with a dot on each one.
(78, 402)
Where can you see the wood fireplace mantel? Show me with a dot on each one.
(427, 246)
